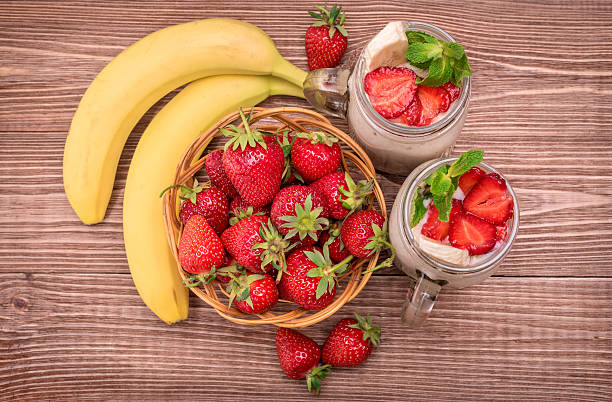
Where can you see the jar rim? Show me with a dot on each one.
(413, 131)
(407, 234)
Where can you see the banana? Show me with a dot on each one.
(141, 75)
(192, 111)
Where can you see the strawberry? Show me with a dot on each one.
(364, 233)
(434, 100)
(214, 167)
(299, 358)
(411, 115)
(391, 90)
(337, 251)
(252, 293)
(315, 154)
(433, 227)
(200, 249)
(207, 201)
(256, 244)
(326, 39)
(229, 266)
(239, 209)
(299, 213)
(490, 199)
(470, 178)
(311, 277)
(350, 342)
(501, 232)
(453, 91)
(342, 194)
(254, 164)
(469, 232)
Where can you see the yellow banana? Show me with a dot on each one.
(192, 111)
(141, 75)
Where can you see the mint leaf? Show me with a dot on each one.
(440, 72)
(418, 208)
(423, 52)
(420, 37)
(444, 203)
(465, 162)
(445, 61)
(441, 183)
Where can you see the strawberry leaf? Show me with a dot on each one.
(322, 287)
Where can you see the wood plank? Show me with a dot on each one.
(508, 338)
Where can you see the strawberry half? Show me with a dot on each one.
(490, 199)
(412, 115)
(469, 232)
(470, 178)
(434, 100)
(435, 228)
(453, 91)
(391, 90)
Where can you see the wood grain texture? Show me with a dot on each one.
(71, 322)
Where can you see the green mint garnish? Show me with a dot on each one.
(446, 61)
(441, 185)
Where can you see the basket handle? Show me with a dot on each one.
(326, 89)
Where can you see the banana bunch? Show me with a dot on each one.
(230, 64)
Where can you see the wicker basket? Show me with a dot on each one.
(214, 294)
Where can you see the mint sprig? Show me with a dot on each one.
(441, 185)
(446, 61)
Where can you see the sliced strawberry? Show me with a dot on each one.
(434, 100)
(435, 228)
(469, 232)
(453, 91)
(490, 199)
(470, 178)
(501, 232)
(391, 90)
(411, 115)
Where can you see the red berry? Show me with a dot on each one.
(469, 232)
(315, 156)
(200, 249)
(299, 357)
(490, 199)
(453, 91)
(214, 167)
(262, 293)
(350, 342)
(501, 232)
(325, 44)
(391, 90)
(357, 232)
(211, 203)
(412, 115)
(337, 251)
(470, 178)
(434, 100)
(435, 228)
(311, 218)
(342, 194)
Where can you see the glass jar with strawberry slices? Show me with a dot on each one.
(402, 112)
(453, 222)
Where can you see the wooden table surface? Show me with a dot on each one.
(72, 324)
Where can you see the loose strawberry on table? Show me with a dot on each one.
(299, 357)
(342, 194)
(200, 249)
(326, 39)
(315, 154)
(300, 213)
(256, 244)
(252, 293)
(214, 168)
(350, 342)
(253, 163)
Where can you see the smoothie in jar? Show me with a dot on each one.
(400, 113)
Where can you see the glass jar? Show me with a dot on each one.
(430, 274)
(393, 148)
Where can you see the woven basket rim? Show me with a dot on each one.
(192, 161)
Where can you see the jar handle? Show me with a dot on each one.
(326, 89)
(419, 301)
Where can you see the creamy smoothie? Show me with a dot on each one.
(395, 147)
